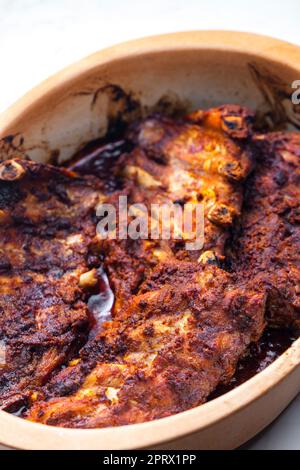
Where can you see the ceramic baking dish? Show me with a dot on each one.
(190, 70)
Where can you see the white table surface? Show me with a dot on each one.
(38, 37)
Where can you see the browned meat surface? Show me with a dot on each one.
(181, 319)
(266, 249)
(46, 228)
(180, 163)
(164, 353)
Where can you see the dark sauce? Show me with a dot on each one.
(21, 411)
(98, 159)
(272, 344)
(100, 304)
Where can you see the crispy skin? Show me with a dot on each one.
(166, 352)
(46, 228)
(201, 159)
(266, 250)
(181, 319)
(170, 344)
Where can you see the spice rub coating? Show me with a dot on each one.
(46, 228)
(202, 158)
(266, 247)
(164, 353)
(181, 319)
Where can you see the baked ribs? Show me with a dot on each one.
(266, 247)
(181, 319)
(47, 224)
(180, 163)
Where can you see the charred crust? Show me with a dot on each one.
(181, 321)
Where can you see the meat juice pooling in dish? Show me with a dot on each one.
(181, 320)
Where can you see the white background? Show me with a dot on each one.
(38, 37)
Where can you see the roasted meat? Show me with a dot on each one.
(266, 248)
(46, 228)
(165, 353)
(191, 161)
(181, 319)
